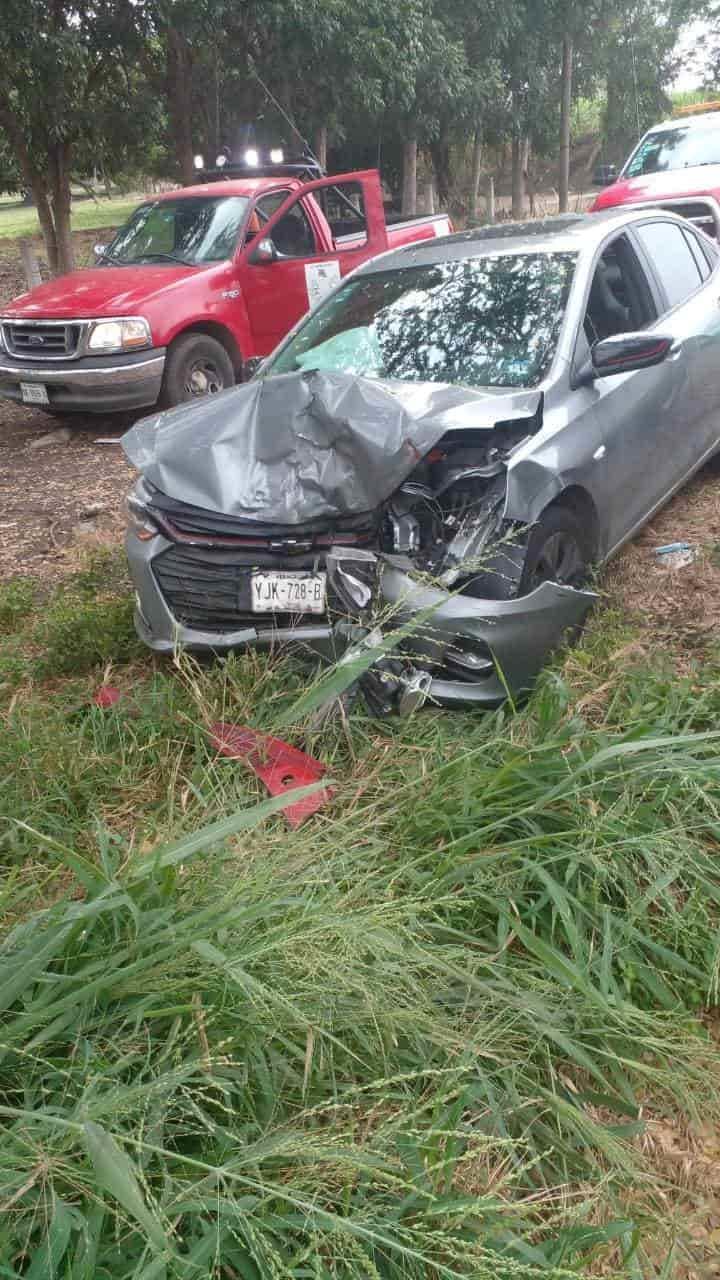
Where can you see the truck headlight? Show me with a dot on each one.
(119, 335)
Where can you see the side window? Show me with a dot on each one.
(672, 259)
(696, 249)
(620, 300)
(293, 236)
(265, 207)
(344, 207)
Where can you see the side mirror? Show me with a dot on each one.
(99, 250)
(264, 252)
(605, 175)
(629, 351)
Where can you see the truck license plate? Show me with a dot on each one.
(288, 592)
(34, 393)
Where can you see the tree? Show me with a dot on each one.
(58, 62)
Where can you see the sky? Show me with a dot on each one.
(691, 75)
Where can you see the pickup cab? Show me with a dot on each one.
(198, 286)
(675, 166)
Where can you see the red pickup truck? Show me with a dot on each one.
(676, 166)
(198, 286)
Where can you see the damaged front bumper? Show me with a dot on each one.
(458, 650)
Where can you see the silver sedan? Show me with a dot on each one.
(450, 442)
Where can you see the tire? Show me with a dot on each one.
(523, 557)
(196, 366)
(559, 549)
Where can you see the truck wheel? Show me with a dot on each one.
(197, 365)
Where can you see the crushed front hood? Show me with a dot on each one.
(294, 447)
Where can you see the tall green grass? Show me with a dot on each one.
(415, 1039)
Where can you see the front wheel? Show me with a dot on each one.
(558, 550)
(196, 366)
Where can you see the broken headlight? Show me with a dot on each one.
(140, 520)
(352, 574)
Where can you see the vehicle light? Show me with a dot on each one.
(221, 161)
(139, 520)
(252, 157)
(119, 335)
(277, 155)
(199, 162)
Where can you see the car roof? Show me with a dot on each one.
(567, 233)
(687, 122)
(229, 187)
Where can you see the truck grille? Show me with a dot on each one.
(40, 340)
(209, 589)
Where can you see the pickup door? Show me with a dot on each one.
(318, 235)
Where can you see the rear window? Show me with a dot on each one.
(672, 259)
(483, 322)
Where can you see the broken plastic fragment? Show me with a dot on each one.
(106, 696)
(281, 767)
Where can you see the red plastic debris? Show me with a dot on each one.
(280, 766)
(106, 696)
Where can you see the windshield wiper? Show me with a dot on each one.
(107, 257)
(164, 257)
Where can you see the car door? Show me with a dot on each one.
(691, 290)
(640, 413)
(310, 260)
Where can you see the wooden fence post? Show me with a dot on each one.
(31, 266)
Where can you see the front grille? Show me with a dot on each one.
(40, 341)
(186, 522)
(209, 588)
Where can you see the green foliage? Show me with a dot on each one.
(16, 601)
(373, 1047)
(84, 622)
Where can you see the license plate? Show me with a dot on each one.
(288, 592)
(34, 393)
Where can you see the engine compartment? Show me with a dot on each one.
(448, 514)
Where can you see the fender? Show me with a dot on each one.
(532, 486)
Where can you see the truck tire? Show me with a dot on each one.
(196, 365)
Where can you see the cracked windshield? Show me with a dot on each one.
(190, 230)
(483, 322)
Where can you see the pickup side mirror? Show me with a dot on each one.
(264, 252)
(605, 175)
(99, 250)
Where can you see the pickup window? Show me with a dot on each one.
(292, 236)
(344, 208)
(190, 230)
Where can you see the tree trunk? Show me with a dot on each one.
(565, 106)
(475, 177)
(518, 176)
(519, 159)
(409, 190)
(490, 199)
(47, 225)
(179, 76)
(440, 152)
(321, 147)
(60, 203)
